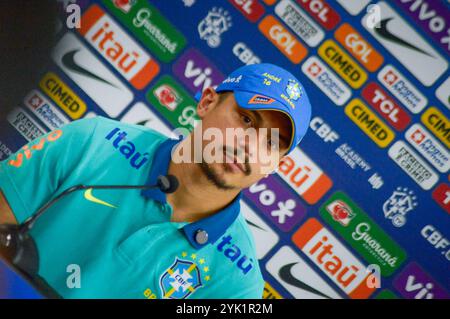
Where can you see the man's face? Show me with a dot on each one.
(245, 160)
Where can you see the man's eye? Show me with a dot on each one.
(273, 143)
(247, 120)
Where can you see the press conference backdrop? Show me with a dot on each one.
(368, 185)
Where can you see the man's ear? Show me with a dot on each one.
(207, 102)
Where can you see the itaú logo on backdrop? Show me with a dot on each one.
(108, 38)
(304, 176)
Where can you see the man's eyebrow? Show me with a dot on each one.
(258, 116)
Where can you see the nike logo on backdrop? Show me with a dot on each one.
(68, 60)
(386, 34)
(254, 225)
(285, 273)
(88, 195)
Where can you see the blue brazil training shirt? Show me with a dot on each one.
(123, 240)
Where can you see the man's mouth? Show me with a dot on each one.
(232, 164)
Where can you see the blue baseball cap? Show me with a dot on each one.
(266, 86)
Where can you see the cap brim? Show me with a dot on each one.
(244, 100)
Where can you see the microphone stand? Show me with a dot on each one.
(19, 248)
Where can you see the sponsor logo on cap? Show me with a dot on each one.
(410, 162)
(336, 261)
(294, 92)
(326, 80)
(402, 89)
(299, 22)
(260, 99)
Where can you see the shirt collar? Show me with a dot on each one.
(215, 225)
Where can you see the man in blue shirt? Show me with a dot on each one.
(192, 243)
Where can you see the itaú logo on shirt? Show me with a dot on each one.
(127, 148)
(27, 151)
(234, 254)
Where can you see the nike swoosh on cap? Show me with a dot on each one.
(88, 195)
(384, 32)
(68, 60)
(285, 273)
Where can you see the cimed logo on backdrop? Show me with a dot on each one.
(396, 207)
(183, 277)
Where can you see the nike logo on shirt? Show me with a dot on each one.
(88, 195)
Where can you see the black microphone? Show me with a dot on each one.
(19, 248)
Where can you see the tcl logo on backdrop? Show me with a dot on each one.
(386, 106)
(322, 12)
(251, 9)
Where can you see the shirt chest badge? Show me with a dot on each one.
(184, 277)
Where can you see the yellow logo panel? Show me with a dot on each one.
(270, 293)
(438, 124)
(343, 64)
(62, 95)
(369, 123)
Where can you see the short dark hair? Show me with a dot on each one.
(223, 95)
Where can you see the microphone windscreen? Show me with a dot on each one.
(168, 183)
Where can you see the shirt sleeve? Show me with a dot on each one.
(32, 176)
